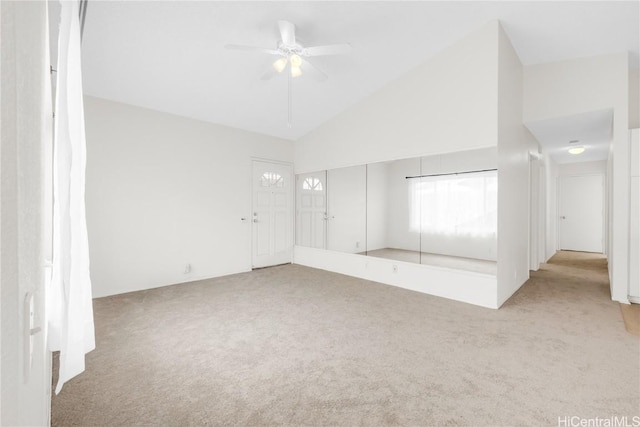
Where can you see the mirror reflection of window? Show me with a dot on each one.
(455, 205)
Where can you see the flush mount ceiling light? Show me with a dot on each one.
(293, 54)
(576, 150)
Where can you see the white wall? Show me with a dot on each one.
(447, 104)
(589, 84)
(583, 168)
(164, 191)
(26, 124)
(515, 143)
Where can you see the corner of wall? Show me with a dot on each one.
(514, 145)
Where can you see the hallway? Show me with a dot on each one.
(568, 278)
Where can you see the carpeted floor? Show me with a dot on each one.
(292, 345)
(631, 317)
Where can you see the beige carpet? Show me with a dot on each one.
(631, 317)
(296, 346)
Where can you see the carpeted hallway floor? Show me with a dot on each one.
(291, 345)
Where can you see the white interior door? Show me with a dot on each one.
(581, 210)
(272, 218)
(311, 201)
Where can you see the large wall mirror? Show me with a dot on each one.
(438, 210)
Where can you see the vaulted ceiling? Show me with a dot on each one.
(170, 56)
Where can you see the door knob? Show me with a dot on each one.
(255, 220)
(563, 217)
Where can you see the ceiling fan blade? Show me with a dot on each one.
(252, 49)
(332, 49)
(269, 74)
(310, 69)
(287, 32)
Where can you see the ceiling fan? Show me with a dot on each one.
(293, 57)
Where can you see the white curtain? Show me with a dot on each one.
(69, 310)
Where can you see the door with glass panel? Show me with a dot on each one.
(272, 218)
(311, 218)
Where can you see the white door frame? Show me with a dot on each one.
(542, 212)
(534, 212)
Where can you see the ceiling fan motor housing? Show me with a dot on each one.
(290, 49)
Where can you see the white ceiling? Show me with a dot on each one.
(592, 130)
(170, 56)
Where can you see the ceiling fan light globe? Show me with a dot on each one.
(295, 71)
(295, 60)
(280, 64)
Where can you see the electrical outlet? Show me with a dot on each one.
(187, 268)
(394, 268)
(357, 244)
